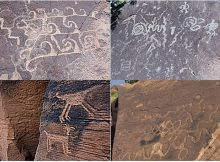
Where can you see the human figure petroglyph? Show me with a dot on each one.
(196, 23)
(56, 138)
(75, 99)
(184, 8)
(211, 27)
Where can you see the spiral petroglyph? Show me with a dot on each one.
(47, 34)
(167, 40)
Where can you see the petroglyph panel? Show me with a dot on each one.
(167, 40)
(54, 40)
(168, 120)
(75, 122)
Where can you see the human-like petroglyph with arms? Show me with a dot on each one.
(166, 40)
(54, 40)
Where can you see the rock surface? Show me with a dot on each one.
(20, 108)
(75, 122)
(54, 40)
(167, 40)
(168, 120)
(212, 151)
(114, 111)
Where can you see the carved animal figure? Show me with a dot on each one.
(75, 99)
(52, 138)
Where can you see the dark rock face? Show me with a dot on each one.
(75, 122)
(168, 120)
(54, 40)
(167, 40)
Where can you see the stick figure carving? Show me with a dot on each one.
(75, 99)
(184, 8)
(211, 27)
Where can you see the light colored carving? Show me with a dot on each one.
(53, 138)
(9, 31)
(41, 29)
(192, 23)
(141, 28)
(125, 65)
(172, 29)
(89, 40)
(184, 8)
(211, 27)
(172, 130)
(75, 99)
(157, 149)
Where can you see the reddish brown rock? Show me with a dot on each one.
(75, 122)
(114, 111)
(212, 150)
(168, 120)
(20, 109)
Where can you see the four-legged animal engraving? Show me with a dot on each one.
(75, 99)
(52, 138)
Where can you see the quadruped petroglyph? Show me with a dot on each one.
(53, 138)
(167, 40)
(75, 99)
(75, 123)
(54, 40)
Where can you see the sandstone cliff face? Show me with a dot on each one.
(75, 121)
(168, 120)
(20, 108)
(212, 150)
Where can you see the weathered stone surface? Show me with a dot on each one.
(54, 40)
(75, 122)
(167, 40)
(168, 120)
(212, 151)
(20, 108)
